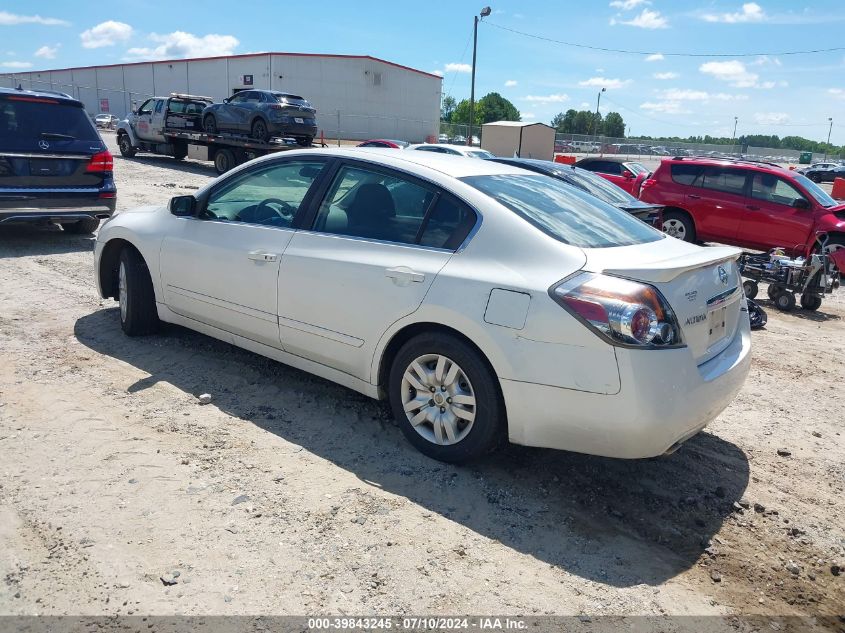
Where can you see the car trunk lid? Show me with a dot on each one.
(702, 286)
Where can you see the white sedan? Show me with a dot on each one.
(453, 149)
(483, 301)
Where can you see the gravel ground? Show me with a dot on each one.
(121, 493)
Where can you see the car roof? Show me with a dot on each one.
(46, 94)
(612, 159)
(728, 162)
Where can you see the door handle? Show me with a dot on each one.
(261, 256)
(402, 275)
(694, 197)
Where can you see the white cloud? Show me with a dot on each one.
(837, 93)
(655, 57)
(439, 73)
(735, 73)
(771, 118)
(554, 98)
(604, 82)
(627, 5)
(180, 44)
(458, 68)
(15, 65)
(510, 83)
(663, 76)
(48, 52)
(12, 19)
(665, 107)
(585, 105)
(751, 12)
(648, 19)
(527, 115)
(678, 94)
(106, 33)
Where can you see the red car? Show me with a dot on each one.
(628, 175)
(382, 142)
(745, 203)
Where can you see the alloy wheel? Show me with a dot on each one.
(675, 228)
(438, 399)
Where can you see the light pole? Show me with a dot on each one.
(598, 103)
(733, 136)
(830, 129)
(484, 13)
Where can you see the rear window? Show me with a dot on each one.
(565, 213)
(294, 99)
(24, 123)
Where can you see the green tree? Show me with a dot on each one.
(460, 115)
(447, 108)
(614, 125)
(583, 122)
(564, 123)
(496, 108)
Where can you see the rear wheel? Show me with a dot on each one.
(785, 301)
(180, 152)
(816, 178)
(209, 124)
(446, 398)
(773, 291)
(679, 225)
(259, 130)
(811, 302)
(751, 288)
(305, 141)
(224, 160)
(125, 146)
(86, 226)
(138, 315)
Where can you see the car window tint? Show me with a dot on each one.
(238, 98)
(373, 205)
(146, 107)
(270, 195)
(722, 179)
(22, 124)
(253, 97)
(773, 189)
(685, 174)
(159, 105)
(609, 167)
(564, 212)
(448, 223)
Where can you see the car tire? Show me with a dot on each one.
(304, 141)
(209, 124)
(180, 152)
(470, 428)
(224, 160)
(679, 225)
(811, 302)
(773, 291)
(136, 298)
(751, 288)
(259, 130)
(82, 227)
(124, 144)
(816, 178)
(785, 301)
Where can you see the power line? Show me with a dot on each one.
(455, 72)
(634, 52)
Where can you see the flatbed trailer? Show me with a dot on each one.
(176, 132)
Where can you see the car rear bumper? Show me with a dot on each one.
(665, 399)
(33, 208)
(292, 129)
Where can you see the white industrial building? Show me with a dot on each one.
(356, 96)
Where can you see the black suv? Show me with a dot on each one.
(54, 167)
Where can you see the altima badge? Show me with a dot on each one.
(723, 276)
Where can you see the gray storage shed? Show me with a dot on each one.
(525, 140)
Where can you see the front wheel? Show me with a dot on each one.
(135, 295)
(750, 287)
(209, 124)
(446, 398)
(679, 225)
(811, 302)
(259, 131)
(125, 146)
(785, 301)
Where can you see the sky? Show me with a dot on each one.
(740, 70)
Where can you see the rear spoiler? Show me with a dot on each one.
(666, 270)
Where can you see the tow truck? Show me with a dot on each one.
(172, 126)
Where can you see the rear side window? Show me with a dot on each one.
(25, 122)
(685, 174)
(448, 223)
(724, 180)
(773, 189)
(565, 213)
(604, 167)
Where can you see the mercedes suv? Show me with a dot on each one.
(54, 167)
(745, 203)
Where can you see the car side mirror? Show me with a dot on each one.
(226, 100)
(628, 175)
(183, 206)
(800, 203)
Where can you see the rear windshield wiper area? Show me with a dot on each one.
(57, 136)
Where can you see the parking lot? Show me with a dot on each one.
(121, 493)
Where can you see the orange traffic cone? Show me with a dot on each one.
(838, 189)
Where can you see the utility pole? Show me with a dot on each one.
(830, 129)
(733, 136)
(484, 13)
(598, 103)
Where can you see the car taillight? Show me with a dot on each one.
(275, 106)
(101, 161)
(624, 312)
(649, 182)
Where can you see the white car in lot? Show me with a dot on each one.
(484, 301)
(452, 149)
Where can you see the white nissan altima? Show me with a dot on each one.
(483, 301)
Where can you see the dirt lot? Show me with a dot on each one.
(121, 494)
